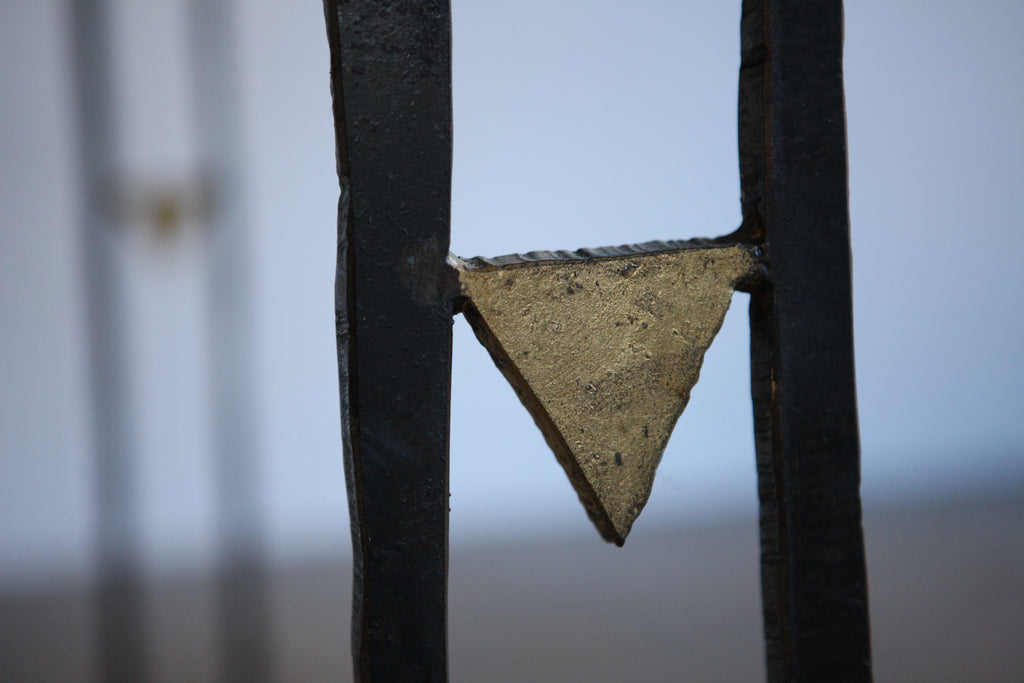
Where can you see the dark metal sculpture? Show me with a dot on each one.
(397, 290)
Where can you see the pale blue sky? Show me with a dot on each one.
(576, 124)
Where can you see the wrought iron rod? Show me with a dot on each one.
(243, 588)
(120, 608)
(792, 128)
(391, 80)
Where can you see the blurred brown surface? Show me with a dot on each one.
(946, 584)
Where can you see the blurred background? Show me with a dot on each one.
(171, 482)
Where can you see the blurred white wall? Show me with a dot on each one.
(45, 503)
(576, 124)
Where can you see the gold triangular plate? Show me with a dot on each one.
(603, 347)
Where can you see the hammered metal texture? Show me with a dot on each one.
(603, 351)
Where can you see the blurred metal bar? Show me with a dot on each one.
(120, 597)
(391, 82)
(793, 166)
(244, 609)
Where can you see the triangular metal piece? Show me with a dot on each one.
(603, 347)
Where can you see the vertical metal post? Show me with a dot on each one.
(243, 587)
(793, 167)
(120, 608)
(391, 82)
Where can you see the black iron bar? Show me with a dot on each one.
(391, 82)
(243, 584)
(120, 597)
(795, 204)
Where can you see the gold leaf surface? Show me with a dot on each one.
(603, 348)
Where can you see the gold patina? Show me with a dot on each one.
(603, 347)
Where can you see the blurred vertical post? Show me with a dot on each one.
(793, 168)
(244, 609)
(120, 598)
(391, 85)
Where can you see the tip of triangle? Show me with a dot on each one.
(610, 529)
